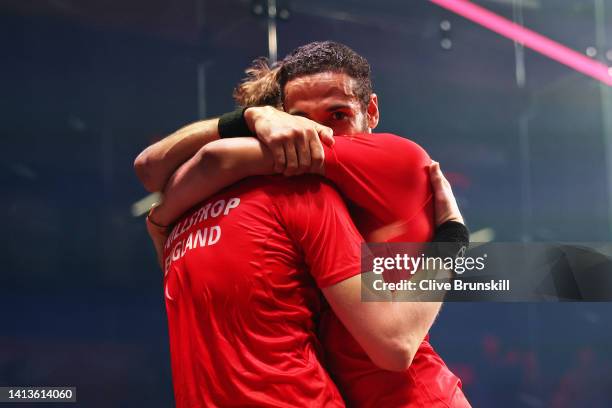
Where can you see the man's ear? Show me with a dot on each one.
(372, 113)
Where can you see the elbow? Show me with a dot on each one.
(216, 157)
(146, 174)
(396, 355)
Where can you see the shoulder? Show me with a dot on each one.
(379, 142)
(378, 151)
(403, 143)
(308, 184)
(280, 191)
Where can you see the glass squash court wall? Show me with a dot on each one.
(526, 142)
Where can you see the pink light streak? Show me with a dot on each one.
(529, 38)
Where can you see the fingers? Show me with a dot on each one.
(326, 135)
(292, 158)
(302, 146)
(303, 152)
(446, 208)
(278, 153)
(438, 180)
(291, 155)
(435, 175)
(295, 142)
(317, 156)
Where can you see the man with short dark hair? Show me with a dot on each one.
(327, 56)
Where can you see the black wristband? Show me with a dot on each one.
(233, 124)
(452, 237)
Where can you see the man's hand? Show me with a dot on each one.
(445, 205)
(295, 141)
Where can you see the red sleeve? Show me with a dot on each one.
(317, 220)
(387, 176)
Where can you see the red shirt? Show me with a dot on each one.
(385, 179)
(241, 301)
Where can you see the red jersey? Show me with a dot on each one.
(241, 300)
(385, 179)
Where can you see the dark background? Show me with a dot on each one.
(85, 85)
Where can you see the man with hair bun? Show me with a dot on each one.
(326, 128)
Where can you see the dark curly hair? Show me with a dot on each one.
(317, 57)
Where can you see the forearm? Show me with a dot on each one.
(402, 332)
(156, 163)
(390, 327)
(400, 319)
(214, 167)
(407, 326)
(412, 321)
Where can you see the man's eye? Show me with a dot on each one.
(339, 115)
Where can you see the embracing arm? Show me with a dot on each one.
(215, 166)
(391, 330)
(388, 330)
(295, 143)
(156, 163)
